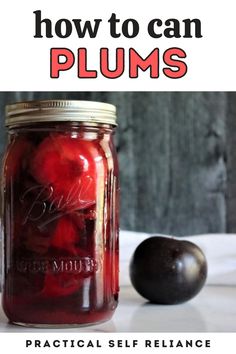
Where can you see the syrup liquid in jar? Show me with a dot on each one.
(60, 213)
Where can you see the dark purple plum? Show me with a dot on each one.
(166, 270)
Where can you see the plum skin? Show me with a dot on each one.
(168, 271)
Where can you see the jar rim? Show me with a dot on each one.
(38, 111)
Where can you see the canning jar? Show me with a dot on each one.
(60, 213)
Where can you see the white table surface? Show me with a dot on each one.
(213, 310)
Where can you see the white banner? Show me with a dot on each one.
(118, 46)
(140, 343)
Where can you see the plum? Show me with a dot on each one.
(166, 270)
(61, 284)
(69, 167)
(16, 157)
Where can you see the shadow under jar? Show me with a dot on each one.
(60, 214)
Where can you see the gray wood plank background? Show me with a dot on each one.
(177, 158)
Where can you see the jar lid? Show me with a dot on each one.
(60, 111)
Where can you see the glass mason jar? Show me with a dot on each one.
(60, 213)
